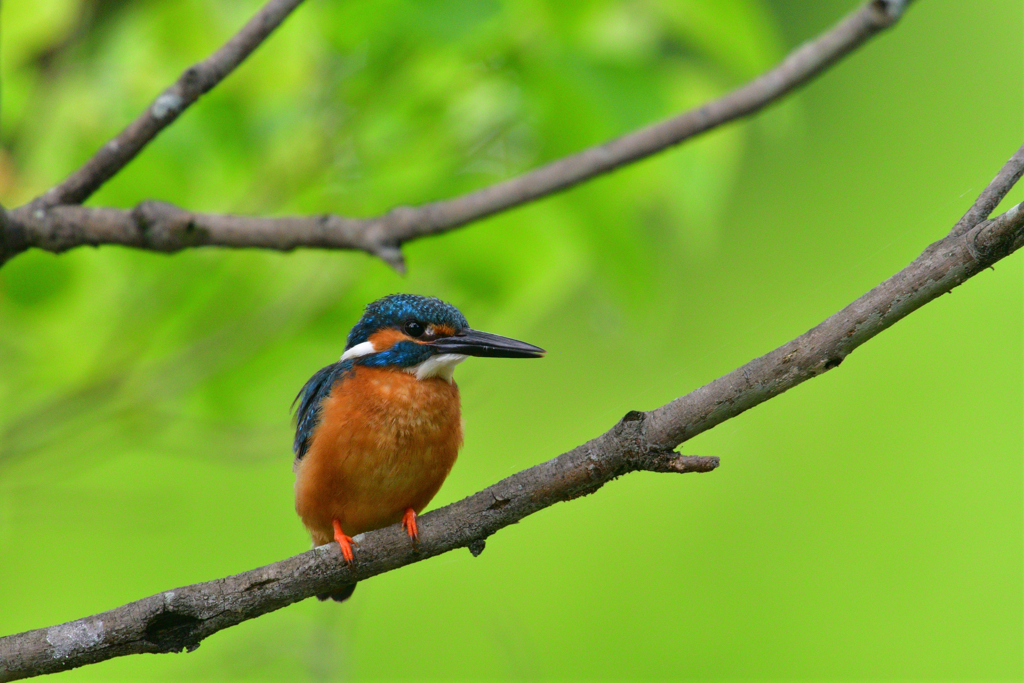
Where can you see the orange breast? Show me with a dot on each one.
(385, 443)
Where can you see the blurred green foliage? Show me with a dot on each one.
(866, 525)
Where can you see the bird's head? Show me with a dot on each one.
(424, 336)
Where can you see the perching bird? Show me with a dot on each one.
(377, 432)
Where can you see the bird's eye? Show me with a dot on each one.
(414, 328)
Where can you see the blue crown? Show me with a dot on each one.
(397, 310)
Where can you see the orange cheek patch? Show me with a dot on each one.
(385, 339)
(444, 330)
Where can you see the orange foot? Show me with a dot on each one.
(409, 522)
(344, 541)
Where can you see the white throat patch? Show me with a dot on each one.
(364, 349)
(442, 365)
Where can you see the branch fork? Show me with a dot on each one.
(381, 236)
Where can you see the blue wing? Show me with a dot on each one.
(312, 394)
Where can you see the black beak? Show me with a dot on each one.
(476, 343)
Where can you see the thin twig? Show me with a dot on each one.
(382, 236)
(193, 82)
(798, 67)
(181, 618)
(990, 197)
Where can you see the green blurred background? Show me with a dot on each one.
(867, 525)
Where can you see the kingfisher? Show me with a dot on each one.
(378, 432)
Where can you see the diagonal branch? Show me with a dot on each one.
(175, 620)
(34, 226)
(943, 265)
(180, 619)
(193, 82)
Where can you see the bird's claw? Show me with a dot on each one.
(409, 523)
(344, 542)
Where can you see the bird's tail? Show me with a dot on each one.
(338, 596)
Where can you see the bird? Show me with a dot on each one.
(377, 433)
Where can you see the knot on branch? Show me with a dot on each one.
(641, 455)
(889, 11)
(630, 433)
(993, 239)
(171, 631)
(165, 227)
